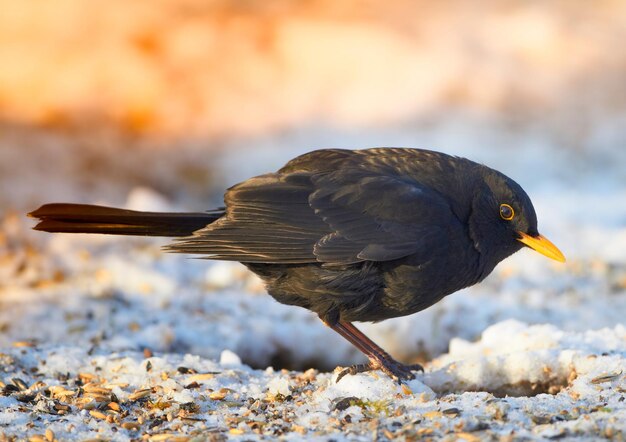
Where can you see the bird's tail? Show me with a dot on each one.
(84, 218)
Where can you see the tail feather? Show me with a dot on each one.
(85, 218)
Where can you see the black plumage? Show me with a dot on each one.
(361, 235)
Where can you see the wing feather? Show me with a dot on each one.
(330, 206)
(375, 217)
(268, 220)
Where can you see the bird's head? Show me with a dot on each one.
(503, 219)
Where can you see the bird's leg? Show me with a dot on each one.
(379, 359)
(377, 349)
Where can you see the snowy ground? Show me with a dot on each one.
(561, 384)
(163, 104)
(107, 338)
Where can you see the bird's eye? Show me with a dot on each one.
(506, 212)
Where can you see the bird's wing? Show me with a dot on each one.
(376, 217)
(268, 220)
(324, 207)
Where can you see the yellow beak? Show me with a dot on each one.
(542, 245)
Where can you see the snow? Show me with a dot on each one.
(568, 384)
(128, 342)
(107, 338)
(229, 359)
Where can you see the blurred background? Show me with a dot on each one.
(165, 103)
(91, 90)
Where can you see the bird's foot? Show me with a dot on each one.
(392, 368)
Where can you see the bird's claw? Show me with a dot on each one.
(354, 369)
(392, 368)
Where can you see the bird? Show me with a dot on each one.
(351, 235)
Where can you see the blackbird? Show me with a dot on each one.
(352, 235)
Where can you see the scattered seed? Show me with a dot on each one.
(25, 397)
(308, 376)
(169, 437)
(200, 377)
(217, 395)
(39, 384)
(96, 389)
(343, 403)
(86, 377)
(139, 394)
(161, 405)
(98, 414)
(62, 407)
(541, 419)
(131, 426)
(112, 385)
(432, 414)
(469, 437)
(19, 384)
(61, 392)
(98, 397)
(606, 377)
(9, 389)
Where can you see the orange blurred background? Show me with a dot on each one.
(108, 76)
(221, 67)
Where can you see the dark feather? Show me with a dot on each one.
(84, 218)
(268, 220)
(331, 206)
